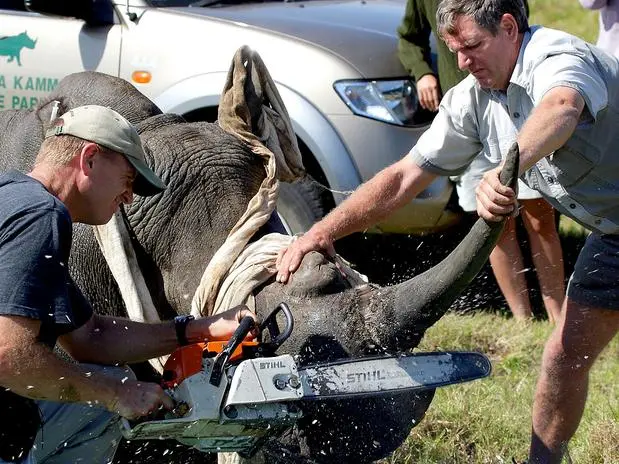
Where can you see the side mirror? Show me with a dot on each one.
(93, 12)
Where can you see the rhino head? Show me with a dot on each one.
(337, 321)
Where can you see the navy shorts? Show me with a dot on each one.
(595, 281)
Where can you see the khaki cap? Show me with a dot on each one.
(109, 129)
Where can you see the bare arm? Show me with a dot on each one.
(112, 340)
(31, 369)
(387, 191)
(374, 200)
(550, 125)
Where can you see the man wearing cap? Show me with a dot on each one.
(90, 163)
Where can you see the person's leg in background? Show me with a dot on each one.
(538, 217)
(506, 258)
(508, 268)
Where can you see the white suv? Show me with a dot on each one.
(334, 61)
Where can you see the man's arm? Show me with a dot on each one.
(414, 52)
(31, 369)
(414, 44)
(113, 340)
(549, 126)
(387, 191)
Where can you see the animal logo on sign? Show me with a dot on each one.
(11, 46)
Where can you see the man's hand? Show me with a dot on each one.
(428, 92)
(221, 326)
(289, 259)
(495, 200)
(134, 399)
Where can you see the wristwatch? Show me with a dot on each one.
(180, 324)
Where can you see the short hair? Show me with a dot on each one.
(59, 151)
(487, 14)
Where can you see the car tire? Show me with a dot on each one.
(299, 205)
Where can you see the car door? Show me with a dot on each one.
(36, 51)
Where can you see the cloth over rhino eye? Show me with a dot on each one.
(317, 276)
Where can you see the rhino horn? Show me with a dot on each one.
(399, 315)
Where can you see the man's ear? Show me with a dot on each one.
(510, 26)
(88, 158)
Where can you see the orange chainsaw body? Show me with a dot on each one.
(187, 360)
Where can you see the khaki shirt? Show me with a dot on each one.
(581, 179)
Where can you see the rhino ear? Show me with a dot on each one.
(241, 100)
(49, 110)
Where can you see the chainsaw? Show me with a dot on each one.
(232, 396)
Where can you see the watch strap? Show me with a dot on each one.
(180, 324)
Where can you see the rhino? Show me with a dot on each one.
(211, 176)
(11, 46)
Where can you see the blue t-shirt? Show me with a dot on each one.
(35, 242)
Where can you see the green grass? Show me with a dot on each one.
(566, 15)
(488, 421)
(570, 228)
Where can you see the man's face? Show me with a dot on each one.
(111, 183)
(489, 58)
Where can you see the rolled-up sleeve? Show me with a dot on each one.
(566, 70)
(452, 141)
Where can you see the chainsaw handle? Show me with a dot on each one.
(246, 324)
(270, 324)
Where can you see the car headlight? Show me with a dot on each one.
(393, 101)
